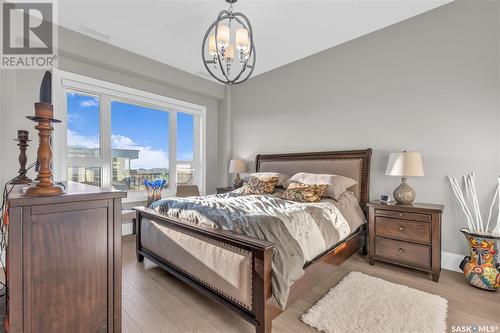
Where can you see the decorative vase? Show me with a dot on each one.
(481, 268)
(153, 195)
(154, 189)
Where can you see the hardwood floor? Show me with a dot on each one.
(154, 301)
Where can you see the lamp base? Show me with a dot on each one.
(238, 182)
(404, 194)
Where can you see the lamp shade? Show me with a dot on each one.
(237, 166)
(405, 164)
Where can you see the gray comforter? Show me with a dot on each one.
(300, 231)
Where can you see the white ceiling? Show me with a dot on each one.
(171, 32)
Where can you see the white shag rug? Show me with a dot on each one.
(362, 303)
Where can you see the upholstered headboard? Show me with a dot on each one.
(354, 164)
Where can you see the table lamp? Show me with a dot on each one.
(237, 167)
(404, 164)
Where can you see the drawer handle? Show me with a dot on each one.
(400, 214)
(401, 250)
(401, 228)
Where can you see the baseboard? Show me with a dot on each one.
(127, 229)
(451, 261)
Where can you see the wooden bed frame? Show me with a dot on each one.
(264, 306)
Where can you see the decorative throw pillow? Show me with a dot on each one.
(264, 175)
(336, 185)
(304, 192)
(260, 185)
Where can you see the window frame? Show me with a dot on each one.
(107, 92)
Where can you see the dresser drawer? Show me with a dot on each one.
(405, 253)
(404, 215)
(403, 229)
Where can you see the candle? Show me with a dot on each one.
(46, 88)
(242, 39)
(22, 135)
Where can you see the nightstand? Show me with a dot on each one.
(406, 235)
(221, 190)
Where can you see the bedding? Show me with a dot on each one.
(300, 231)
(336, 185)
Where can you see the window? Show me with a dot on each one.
(83, 125)
(185, 149)
(114, 136)
(139, 143)
(83, 144)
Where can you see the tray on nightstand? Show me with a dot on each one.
(221, 190)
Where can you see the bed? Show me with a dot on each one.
(237, 269)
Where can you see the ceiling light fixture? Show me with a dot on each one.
(218, 48)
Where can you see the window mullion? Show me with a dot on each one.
(172, 151)
(196, 150)
(201, 149)
(105, 140)
(59, 136)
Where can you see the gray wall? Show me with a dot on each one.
(428, 84)
(83, 55)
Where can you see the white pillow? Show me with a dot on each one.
(281, 176)
(336, 185)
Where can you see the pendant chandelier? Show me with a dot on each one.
(229, 61)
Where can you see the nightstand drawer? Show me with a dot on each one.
(404, 215)
(403, 229)
(405, 253)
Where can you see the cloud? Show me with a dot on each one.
(74, 118)
(89, 102)
(121, 141)
(82, 141)
(149, 158)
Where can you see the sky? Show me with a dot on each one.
(132, 127)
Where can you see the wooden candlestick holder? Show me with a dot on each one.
(44, 117)
(22, 139)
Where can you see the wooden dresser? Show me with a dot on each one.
(64, 261)
(407, 235)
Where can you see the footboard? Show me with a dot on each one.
(246, 288)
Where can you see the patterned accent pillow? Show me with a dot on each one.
(304, 192)
(260, 185)
(281, 177)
